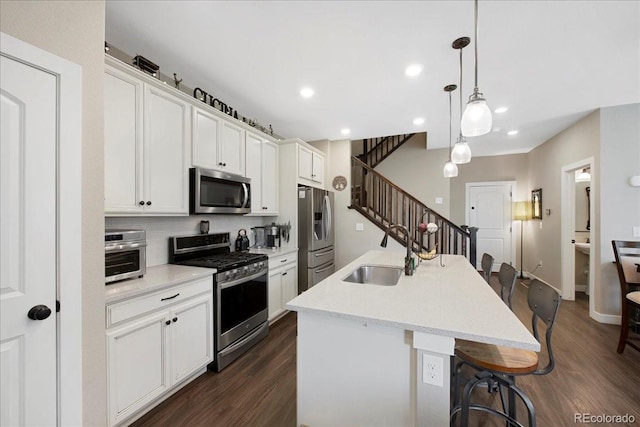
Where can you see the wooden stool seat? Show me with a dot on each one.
(506, 360)
(634, 297)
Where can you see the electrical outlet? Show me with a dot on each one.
(432, 370)
(539, 263)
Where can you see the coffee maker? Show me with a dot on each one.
(267, 236)
(242, 241)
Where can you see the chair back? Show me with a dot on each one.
(487, 265)
(627, 256)
(507, 278)
(544, 302)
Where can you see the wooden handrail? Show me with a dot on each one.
(375, 150)
(385, 203)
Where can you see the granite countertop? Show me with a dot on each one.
(156, 278)
(451, 301)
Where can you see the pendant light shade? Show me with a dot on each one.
(476, 119)
(461, 152)
(450, 169)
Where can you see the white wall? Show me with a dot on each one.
(619, 203)
(74, 30)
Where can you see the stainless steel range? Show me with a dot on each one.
(240, 291)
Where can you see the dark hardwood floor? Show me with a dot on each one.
(259, 389)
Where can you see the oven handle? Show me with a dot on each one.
(244, 279)
(126, 246)
(246, 195)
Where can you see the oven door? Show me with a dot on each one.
(241, 307)
(123, 263)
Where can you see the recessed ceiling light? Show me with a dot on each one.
(501, 110)
(413, 70)
(418, 121)
(512, 132)
(306, 92)
(345, 131)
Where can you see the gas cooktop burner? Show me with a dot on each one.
(226, 261)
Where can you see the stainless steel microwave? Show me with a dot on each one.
(215, 192)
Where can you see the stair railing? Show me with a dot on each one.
(375, 150)
(385, 203)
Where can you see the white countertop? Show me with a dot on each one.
(157, 277)
(273, 252)
(451, 301)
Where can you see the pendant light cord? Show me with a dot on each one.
(449, 126)
(475, 44)
(460, 73)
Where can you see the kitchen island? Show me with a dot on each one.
(361, 348)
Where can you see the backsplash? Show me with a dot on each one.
(159, 229)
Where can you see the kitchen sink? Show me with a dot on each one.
(375, 275)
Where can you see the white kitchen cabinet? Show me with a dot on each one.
(146, 134)
(283, 283)
(216, 143)
(310, 165)
(154, 343)
(262, 168)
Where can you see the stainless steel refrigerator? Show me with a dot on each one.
(315, 236)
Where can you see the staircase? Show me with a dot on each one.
(384, 203)
(375, 150)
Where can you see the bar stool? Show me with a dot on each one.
(627, 256)
(500, 365)
(507, 278)
(487, 265)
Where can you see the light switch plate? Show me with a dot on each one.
(636, 231)
(359, 226)
(438, 200)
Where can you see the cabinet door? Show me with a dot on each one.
(289, 284)
(204, 140)
(231, 153)
(275, 294)
(123, 142)
(254, 164)
(270, 181)
(305, 163)
(191, 336)
(317, 168)
(165, 138)
(137, 365)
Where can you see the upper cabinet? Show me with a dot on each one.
(262, 168)
(310, 166)
(217, 144)
(146, 134)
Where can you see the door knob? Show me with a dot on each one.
(39, 312)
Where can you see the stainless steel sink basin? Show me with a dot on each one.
(375, 275)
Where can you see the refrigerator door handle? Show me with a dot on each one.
(327, 216)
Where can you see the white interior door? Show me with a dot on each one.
(28, 244)
(489, 208)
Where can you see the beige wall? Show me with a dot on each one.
(542, 237)
(618, 203)
(74, 30)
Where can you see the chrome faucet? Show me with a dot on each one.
(408, 262)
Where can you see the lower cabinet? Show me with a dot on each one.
(154, 342)
(283, 283)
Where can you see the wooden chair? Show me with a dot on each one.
(507, 278)
(627, 256)
(500, 365)
(487, 265)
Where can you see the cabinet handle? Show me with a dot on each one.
(141, 202)
(149, 203)
(219, 163)
(168, 322)
(167, 298)
(283, 260)
(224, 164)
(175, 319)
(284, 274)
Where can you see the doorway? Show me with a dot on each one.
(489, 207)
(578, 233)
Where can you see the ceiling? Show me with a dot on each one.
(550, 62)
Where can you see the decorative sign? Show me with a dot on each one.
(215, 103)
(339, 183)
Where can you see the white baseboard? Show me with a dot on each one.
(581, 288)
(611, 319)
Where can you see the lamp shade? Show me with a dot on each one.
(450, 170)
(461, 153)
(522, 211)
(477, 119)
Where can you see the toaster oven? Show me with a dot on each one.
(124, 254)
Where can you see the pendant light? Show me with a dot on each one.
(461, 152)
(450, 169)
(476, 119)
